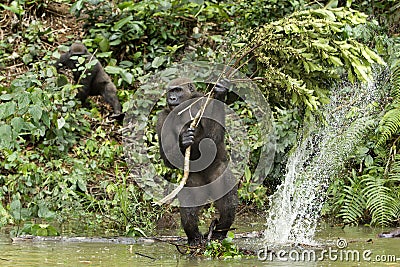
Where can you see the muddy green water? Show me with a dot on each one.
(361, 241)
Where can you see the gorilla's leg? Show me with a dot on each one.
(83, 93)
(227, 209)
(225, 191)
(110, 96)
(189, 211)
(190, 222)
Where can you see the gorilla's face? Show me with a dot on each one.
(177, 95)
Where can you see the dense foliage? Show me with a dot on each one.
(60, 161)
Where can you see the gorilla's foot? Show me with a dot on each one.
(193, 242)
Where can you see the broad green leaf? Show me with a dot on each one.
(361, 72)
(336, 61)
(23, 100)
(46, 119)
(45, 213)
(52, 231)
(321, 44)
(369, 161)
(217, 38)
(104, 45)
(231, 235)
(157, 62)
(374, 56)
(81, 185)
(60, 122)
(366, 56)
(7, 109)
(170, 72)
(15, 208)
(104, 55)
(119, 24)
(115, 42)
(14, 7)
(6, 97)
(112, 69)
(77, 6)
(41, 232)
(324, 13)
(81, 60)
(126, 76)
(18, 124)
(36, 112)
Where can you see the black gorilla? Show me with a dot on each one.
(208, 157)
(94, 80)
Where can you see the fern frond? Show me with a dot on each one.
(394, 172)
(359, 128)
(379, 200)
(395, 206)
(389, 125)
(353, 203)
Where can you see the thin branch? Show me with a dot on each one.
(249, 80)
(146, 256)
(237, 62)
(241, 65)
(86, 67)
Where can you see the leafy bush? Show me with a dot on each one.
(298, 55)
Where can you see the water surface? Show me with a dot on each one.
(359, 239)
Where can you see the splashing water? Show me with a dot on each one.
(296, 205)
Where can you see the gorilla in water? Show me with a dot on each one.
(94, 80)
(209, 159)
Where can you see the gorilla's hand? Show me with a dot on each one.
(187, 138)
(221, 88)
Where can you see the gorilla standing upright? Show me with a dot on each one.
(94, 80)
(209, 180)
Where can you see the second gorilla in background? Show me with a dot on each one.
(94, 81)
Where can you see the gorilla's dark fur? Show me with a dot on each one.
(94, 80)
(179, 133)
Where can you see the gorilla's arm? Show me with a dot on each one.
(167, 143)
(64, 62)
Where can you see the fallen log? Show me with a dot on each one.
(118, 240)
(391, 234)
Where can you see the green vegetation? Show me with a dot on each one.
(62, 162)
(224, 249)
